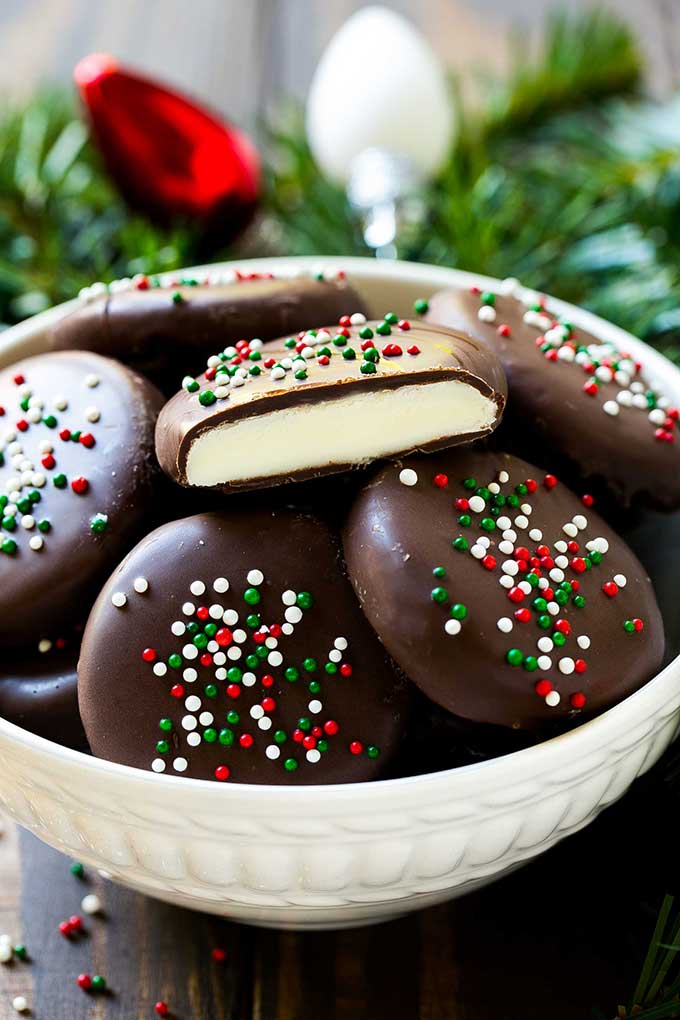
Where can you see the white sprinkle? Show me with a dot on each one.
(503, 477)
(504, 624)
(583, 641)
(220, 584)
(521, 521)
(192, 703)
(190, 675)
(20, 1003)
(178, 628)
(510, 287)
(620, 580)
(657, 416)
(556, 575)
(197, 587)
(118, 599)
(230, 617)
(206, 718)
(160, 669)
(503, 523)
(289, 598)
(561, 546)
(219, 658)
(334, 655)
(535, 534)
(580, 521)
(190, 652)
(189, 722)
(140, 584)
(570, 529)
(552, 699)
(452, 627)
(249, 680)
(407, 476)
(566, 665)
(91, 381)
(44, 645)
(357, 319)
(193, 739)
(91, 904)
(525, 587)
(6, 950)
(256, 712)
(188, 609)
(506, 548)
(341, 643)
(506, 581)
(27, 522)
(273, 751)
(477, 504)
(562, 562)
(278, 372)
(313, 756)
(494, 488)
(545, 644)
(509, 535)
(625, 398)
(92, 414)
(315, 707)
(264, 723)
(255, 577)
(275, 658)
(234, 653)
(239, 636)
(293, 614)
(478, 551)
(611, 407)
(287, 628)
(483, 540)
(600, 545)
(510, 567)
(544, 662)
(486, 314)
(180, 764)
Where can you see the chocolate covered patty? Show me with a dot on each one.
(499, 593)
(575, 402)
(232, 647)
(167, 330)
(328, 400)
(38, 691)
(76, 474)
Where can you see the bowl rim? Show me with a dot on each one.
(598, 733)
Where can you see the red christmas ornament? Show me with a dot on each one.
(169, 158)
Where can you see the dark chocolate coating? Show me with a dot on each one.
(44, 590)
(396, 536)
(442, 355)
(164, 338)
(122, 700)
(549, 410)
(38, 691)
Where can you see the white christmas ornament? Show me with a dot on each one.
(379, 86)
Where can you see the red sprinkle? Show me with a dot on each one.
(550, 481)
(503, 330)
(19, 379)
(367, 344)
(413, 349)
(344, 320)
(564, 627)
(404, 325)
(324, 360)
(177, 691)
(65, 435)
(392, 351)
(162, 1007)
(22, 425)
(65, 929)
(345, 669)
(489, 562)
(267, 680)
(587, 500)
(84, 981)
(356, 747)
(148, 655)
(331, 727)
(580, 666)
(219, 955)
(76, 922)
(523, 615)
(233, 691)
(543, 687)
(224, 637)
(515, 594)
(268, 704)
(441, 481)
(48, 462)
(245, 740)
(80, 485)
(531, 484)
(578, 564)
(610, 588)
(638, 624)
(577, 700)
(221, 773)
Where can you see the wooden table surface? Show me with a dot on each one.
(550, 942)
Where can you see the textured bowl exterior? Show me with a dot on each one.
(323, 857)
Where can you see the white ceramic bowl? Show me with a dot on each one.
(334, 856)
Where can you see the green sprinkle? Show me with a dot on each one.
(210, 690)
(301, 373)
(579, 601)
(189, 384)
(349, 354)
(459, 611)
(629, 626)
(201, 640)
(254, 370)
(206, 398)
(314, 687)
(461, 544)
(304, 600)
(192, 628)
(392, 318)
(98, 524)
(465, 520)
(50, 421)
(280, 737)
(255, 356)
(558, 639)
(439, 571)
(233, 717)
(366, 333)
(234, 675)
(439, 595)
(324, 351)
(20, 951)
(210, 629)
(59, 481)
(595, 557)
(513, 500)
(469, 483)
(9, 523)
(162, 747)
(371, 354)
(487, 298)
(9, 546)
(530, 663)
(175, 661)
(372, 751)
(544, 621)
(488, 523)
(290, 765)
(383, 328)
(77, 869)
(98, 982)
(310, 665)
(561, 598)
(165, 725)
(514, 657)
(290, 343)
(421, 306)
(262, 652)
(253, 620)
(252, 661)
(210, 735)
(304, 724)
(331, 668)
(251, 596)
(291, 674)
(322, 745)
(340, 340)
(226, 737)
(367, 368)
(521, 489)
(34, 496)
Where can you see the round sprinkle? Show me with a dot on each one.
(20, 1003)
(255, 577)
(118, 599)
(91, 904)
(180, 764)
(197, 588)
(407, 476)
(140, 584)
(552, 699)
